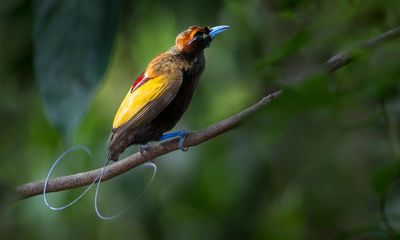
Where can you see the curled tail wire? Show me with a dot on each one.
(97, 179)
(124, 210)
(68, 151)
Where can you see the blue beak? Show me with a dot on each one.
(217, 30)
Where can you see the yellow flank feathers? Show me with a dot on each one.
(138, 99)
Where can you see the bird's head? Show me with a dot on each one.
(195, 39)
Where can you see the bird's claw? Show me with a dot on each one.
(143, 148)
(182, 137)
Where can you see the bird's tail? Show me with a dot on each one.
(112, 155)
(124, 210)
(66, 152)
(114, 150)
(97, 179)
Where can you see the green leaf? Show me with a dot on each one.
(299, 40)
(385, 176)
(72, 45)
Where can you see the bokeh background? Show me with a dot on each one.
(321, 162)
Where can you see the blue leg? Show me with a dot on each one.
(181, 134)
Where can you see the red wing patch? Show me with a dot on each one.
(139, 82)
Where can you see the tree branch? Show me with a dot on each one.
(343, 58)
(85, 178)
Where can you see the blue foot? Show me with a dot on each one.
(181, 134)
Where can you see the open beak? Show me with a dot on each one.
(217, 30)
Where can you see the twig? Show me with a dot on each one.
(85, 178)
(343, 58)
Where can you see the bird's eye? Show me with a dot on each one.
(200, 35)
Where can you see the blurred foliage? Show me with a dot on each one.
(320, 162)
(69, 63)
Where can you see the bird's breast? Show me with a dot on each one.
(191, 72)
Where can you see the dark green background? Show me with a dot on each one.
(315, 164)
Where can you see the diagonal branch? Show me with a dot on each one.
(85, 178)
(343, 58)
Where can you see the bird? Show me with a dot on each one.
(158, 98)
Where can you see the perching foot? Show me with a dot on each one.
(182, 136)
(143, 148)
